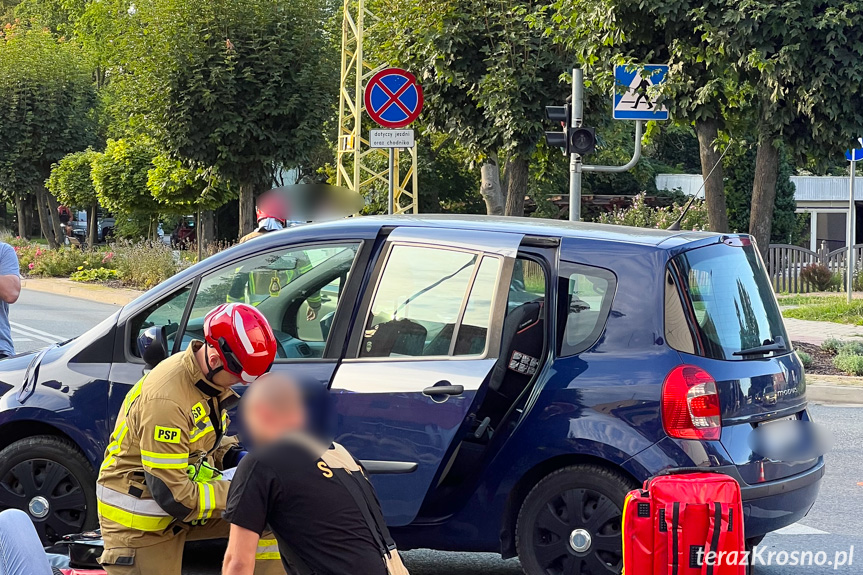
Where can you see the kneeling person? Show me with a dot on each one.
(316, 499)
(157, 487)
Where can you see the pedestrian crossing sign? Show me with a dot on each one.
(633, 98)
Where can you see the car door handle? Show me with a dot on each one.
(444, 390)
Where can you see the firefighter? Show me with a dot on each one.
(159, 485)
(255, 286)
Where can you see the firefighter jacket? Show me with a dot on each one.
(171, 419)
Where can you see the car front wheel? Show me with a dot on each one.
(50, 480)
(570, 523)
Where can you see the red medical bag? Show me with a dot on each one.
(684, 524)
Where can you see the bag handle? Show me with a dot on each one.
(673, 517)
(721, 520)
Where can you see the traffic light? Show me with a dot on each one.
(582, 141)
(562, 114)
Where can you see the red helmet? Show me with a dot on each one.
(272, 206)
(243, 339)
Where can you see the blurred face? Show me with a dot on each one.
(272, 413)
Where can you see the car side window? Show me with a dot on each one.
(588, 292)
(431, 302)
(166, 312)
(283, 285)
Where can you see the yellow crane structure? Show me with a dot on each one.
(358, 166)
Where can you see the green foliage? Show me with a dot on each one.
(641, 215)
(831, 345)
(71, 180)
(60, 262)
(178, 187)
(486, 75)
(449, 185)
(99, 274)
(850, 364)
(226, 85)
(47, 102)
(739, 165)
(805, 358)
(837, 312)
(818, 275)
(850, 348)
(120, 176)
(145, 264)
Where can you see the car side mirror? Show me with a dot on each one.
(153, 345)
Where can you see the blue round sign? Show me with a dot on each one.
(393, 98)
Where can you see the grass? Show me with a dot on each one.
(834, 309)
(803, 299)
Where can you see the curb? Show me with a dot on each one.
(835, 394)
(90, 292)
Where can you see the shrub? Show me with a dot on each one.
(805, 358)
(831, 345)
(818, 275)
(144, 264)
(850, 348)
(641, 215)
(94, 275)
(851, 364)
(61, 262)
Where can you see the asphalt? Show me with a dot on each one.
(833, 526)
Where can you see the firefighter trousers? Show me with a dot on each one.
(166, 557)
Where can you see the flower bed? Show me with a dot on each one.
(138, 265)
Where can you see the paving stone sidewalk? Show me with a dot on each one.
(815, 332)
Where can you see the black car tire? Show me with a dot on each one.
(579, 497)
(53, 469)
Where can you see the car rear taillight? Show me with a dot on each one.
(690, 404)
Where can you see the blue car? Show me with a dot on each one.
(506, 380)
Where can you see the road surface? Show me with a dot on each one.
(834, 526)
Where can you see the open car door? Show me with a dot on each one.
(426, 338)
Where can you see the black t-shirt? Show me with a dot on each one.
(307, 508)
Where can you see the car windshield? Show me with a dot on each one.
(730, 301)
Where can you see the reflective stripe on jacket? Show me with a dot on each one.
(172, 418)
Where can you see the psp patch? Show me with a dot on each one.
(167, 434)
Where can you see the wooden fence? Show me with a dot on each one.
(785, 262)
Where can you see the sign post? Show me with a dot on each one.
(632, 100)
(575, 159)
(853, 156)
(393, 99)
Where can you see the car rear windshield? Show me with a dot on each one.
(719, 301)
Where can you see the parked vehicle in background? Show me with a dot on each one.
(507, 381)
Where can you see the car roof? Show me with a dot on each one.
(527, 226)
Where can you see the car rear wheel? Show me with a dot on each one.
(49, 479)
(569, 523)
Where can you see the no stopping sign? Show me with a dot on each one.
(393, 98)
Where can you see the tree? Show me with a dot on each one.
(120, 177)
(47, 103)
(237, 87)
(487, 77)
(178, 187)
(801, 62)
(739, 167)
(71, 182)
(701, 87)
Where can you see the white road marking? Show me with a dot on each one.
(18, 338)
(35, 333)
(800, 529)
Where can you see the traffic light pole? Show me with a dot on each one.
(576, 167)
(575, 164)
